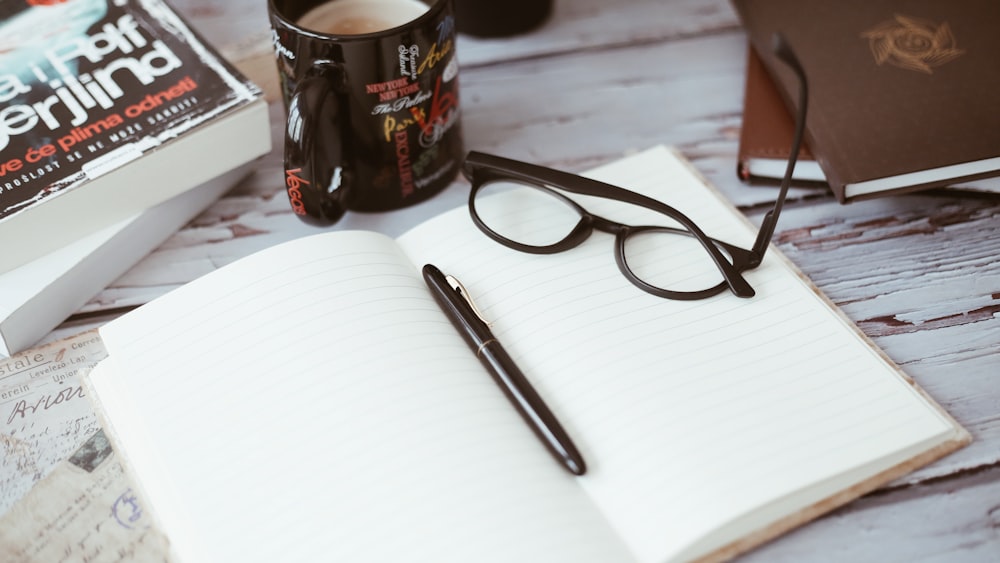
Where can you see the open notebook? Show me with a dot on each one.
(311, 402)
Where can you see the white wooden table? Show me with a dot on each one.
(917, 273)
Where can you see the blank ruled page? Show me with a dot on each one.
(691, 415)
(311, 403)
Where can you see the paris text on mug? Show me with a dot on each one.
(371, 93)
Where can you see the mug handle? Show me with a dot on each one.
(314, 149)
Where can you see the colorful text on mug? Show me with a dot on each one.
(371, 91)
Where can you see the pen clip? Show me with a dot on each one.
(464, 294)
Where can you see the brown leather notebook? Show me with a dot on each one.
(766, 133)
(902, 92)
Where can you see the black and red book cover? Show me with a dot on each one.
(87, 86)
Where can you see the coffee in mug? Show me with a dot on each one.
(355, 17)
(371, 93)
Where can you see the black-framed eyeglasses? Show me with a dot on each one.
(503, 209)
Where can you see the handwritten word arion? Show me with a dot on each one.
(23, 408)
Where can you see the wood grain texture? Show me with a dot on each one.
(946, 521)
(919, 273)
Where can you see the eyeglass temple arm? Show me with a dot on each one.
(784, 53)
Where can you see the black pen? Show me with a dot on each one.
(462, 312)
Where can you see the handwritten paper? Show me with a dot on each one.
(63, 494)
(44, 416)
(85, 510)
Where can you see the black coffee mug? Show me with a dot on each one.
(372, 116)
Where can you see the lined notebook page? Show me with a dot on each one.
(691, 415)
(312, 403)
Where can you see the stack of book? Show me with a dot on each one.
(119, 125)
(901, 94)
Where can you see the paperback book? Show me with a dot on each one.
(36, 297)
(109, 108)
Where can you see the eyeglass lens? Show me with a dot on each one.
(667, 258)
(524, 213)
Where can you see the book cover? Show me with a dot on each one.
(109, 107)
(900, 92)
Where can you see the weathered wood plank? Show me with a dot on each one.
(574, 25)
(596, 24)
(948, 521)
